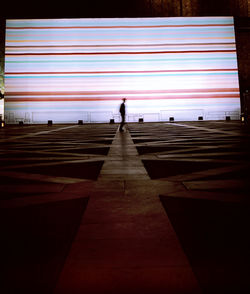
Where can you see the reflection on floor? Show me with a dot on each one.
(160, 208)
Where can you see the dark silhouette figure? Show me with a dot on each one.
(123, 113)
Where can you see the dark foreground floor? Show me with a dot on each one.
(162, 208)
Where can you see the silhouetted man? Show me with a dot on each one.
(122, 112)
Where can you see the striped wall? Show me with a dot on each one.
(71, 69)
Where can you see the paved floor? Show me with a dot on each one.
(160, 208)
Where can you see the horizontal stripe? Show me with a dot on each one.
(111, 33)
(118, 45)
(126, 38)
(115, 53)
(28, 51)
(117, 75)
(104, 37)
(108, 72)
(119, 98)
(120, 21)
(118, 27)
(121, 92)
(119, 60)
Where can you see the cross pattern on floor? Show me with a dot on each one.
(160, 208)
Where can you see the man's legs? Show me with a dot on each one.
(122, 123)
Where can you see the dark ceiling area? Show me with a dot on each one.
(125, 8)
(68, 9)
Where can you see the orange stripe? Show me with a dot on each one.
(122, 92)
(75, 99)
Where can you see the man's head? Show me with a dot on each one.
(124, 100)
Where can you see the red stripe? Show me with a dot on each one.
(122, 92)
(119, 98)
(119, 27)
(112, 72)
(116, 53)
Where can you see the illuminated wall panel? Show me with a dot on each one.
(70, 69)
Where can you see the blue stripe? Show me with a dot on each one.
(121, 22)
(85, 32)
(121, 37)
(118, 75)
(119, 60)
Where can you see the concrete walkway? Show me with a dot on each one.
(126, 243)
